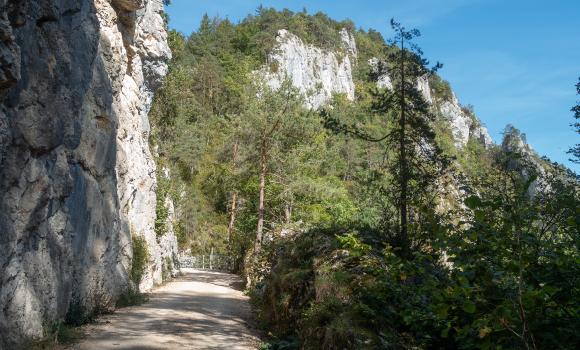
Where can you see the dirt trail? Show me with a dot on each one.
(200, 310)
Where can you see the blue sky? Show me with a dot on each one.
(516, 61)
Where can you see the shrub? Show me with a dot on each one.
(506, 282)
(140, 259)
(131, 297)
(161, 210)
(440, 88)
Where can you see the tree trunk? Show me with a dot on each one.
(403, 156)
(263, 169)
(288, 213)
(234, 203)
(233, 208)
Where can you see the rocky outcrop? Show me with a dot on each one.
(378, 69)
(464, 125)
(76, 175)
(142, 58)
(525, 160)
(424, 88)
(317, 73)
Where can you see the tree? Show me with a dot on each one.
(575, 151)
(417, 161)
(273, 124)
(234, 199)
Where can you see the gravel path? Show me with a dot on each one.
(199, 310)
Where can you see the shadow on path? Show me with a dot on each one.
(199, 310)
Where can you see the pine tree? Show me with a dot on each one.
(575, 151)
(273, 124)
(417, 161)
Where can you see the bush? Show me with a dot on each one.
(140, 260)
(161, 210)
(505, 280)
(131, 297)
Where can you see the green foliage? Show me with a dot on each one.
(131, 297)
(257, 33)
(333, 275)
(507, 278)
(161, 210)
(140, 259)
(417, 161)
(197, 117)
(517, 263)
(441, 88)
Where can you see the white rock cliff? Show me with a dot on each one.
(317, 73)
(77, 178)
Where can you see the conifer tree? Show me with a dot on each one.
(575, 151)
(417, 161)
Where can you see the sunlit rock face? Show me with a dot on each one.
(464, 126)
(139, 64)
(77, 178)
(526, 161)
(424, 88)
(317, 73)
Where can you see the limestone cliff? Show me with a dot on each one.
(77, 178)
(319, 74)
(464, 125)
(525, 160)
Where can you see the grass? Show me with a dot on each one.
(58, 334)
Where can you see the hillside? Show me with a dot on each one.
(264, 127)
(198, 115)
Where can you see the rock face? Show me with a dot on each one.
(464, 126)
(424, 88)
(317, 73)
(526, 161)
(378, 69)
(76, 175)
(168, 250)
